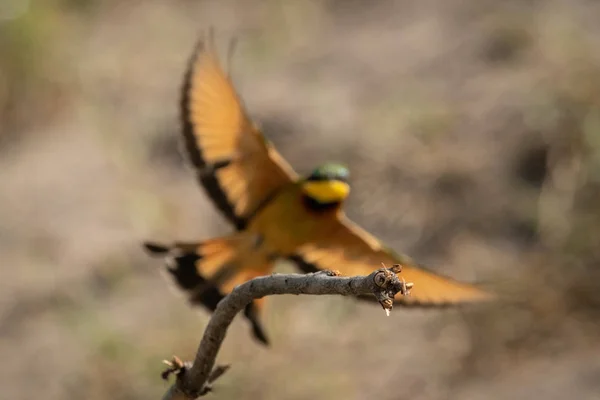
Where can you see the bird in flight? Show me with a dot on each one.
(278, 215)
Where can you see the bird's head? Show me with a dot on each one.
(327, 185)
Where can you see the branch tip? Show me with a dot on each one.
(175, 366)
(388, 284)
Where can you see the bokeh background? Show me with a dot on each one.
(472, 129)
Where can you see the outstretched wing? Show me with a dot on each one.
(238, 168)
(345, 247)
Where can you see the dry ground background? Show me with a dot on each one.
(472, 129)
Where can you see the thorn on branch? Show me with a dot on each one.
(217, 372)
(214, 375)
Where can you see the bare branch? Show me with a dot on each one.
(195, 380)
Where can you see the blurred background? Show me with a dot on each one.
(472, 130)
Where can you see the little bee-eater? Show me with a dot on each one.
(277, 214)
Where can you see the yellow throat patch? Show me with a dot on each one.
(326, 191)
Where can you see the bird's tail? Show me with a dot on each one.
(207, 271)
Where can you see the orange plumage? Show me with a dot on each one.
(277, 214)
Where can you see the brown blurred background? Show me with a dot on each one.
(472, 130)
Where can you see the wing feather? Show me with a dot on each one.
(238, 168)
(353, 251)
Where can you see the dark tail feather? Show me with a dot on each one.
(155, 248)
(181, 265)
(257, 329)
